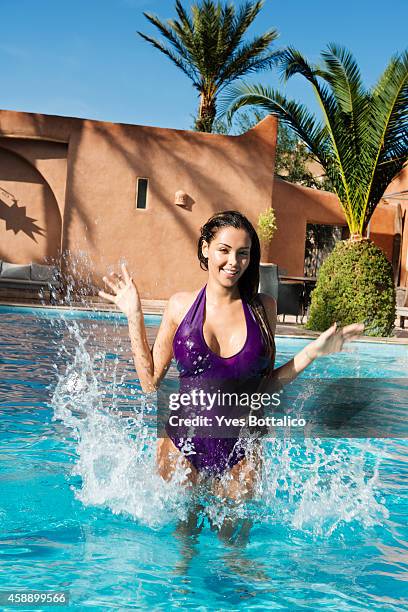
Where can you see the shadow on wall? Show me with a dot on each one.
(17, 220)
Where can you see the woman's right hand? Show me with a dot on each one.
(125, 294)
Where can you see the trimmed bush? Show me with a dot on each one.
(355, 285)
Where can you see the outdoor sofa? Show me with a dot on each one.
(36, 277)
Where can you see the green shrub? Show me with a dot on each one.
(355, 284)
(266, 225)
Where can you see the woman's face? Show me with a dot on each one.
(228, 255)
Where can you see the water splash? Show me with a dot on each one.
(319, 486)
(115, 444)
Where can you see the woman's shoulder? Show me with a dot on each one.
(180, 303)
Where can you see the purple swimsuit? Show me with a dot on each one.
(202, 369)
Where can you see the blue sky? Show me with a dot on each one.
(83, 58)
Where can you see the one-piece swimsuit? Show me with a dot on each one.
(202, 369)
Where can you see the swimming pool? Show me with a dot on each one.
(82, 509)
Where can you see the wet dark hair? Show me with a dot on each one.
(249, 281)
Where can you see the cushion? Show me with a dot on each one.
(40, 272)
(402, 296)
(20, 271)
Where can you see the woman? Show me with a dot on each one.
(223, 332)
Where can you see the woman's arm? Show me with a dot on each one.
(150, 365)
(330, 341)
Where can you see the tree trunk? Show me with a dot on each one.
(206, 114)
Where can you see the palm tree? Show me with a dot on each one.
(208, 47)
(362, 142)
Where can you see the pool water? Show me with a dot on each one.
(82, 509)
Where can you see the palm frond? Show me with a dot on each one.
(292, 113)
(206, 21)
(344, 77)
(350, 123)
(167, 32)
(241, 21)
(294, 63)
(184, 30)
(177, 60)
(184, 18)
(251, 57)
(389, 130)
(225, 32)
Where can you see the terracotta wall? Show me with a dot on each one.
(100, 222)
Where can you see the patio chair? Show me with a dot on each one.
(402, 304)
(290, 299)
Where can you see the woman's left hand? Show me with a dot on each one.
(333, 339)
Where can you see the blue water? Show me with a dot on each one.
(83, 510)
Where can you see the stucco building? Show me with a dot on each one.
(104, 192)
